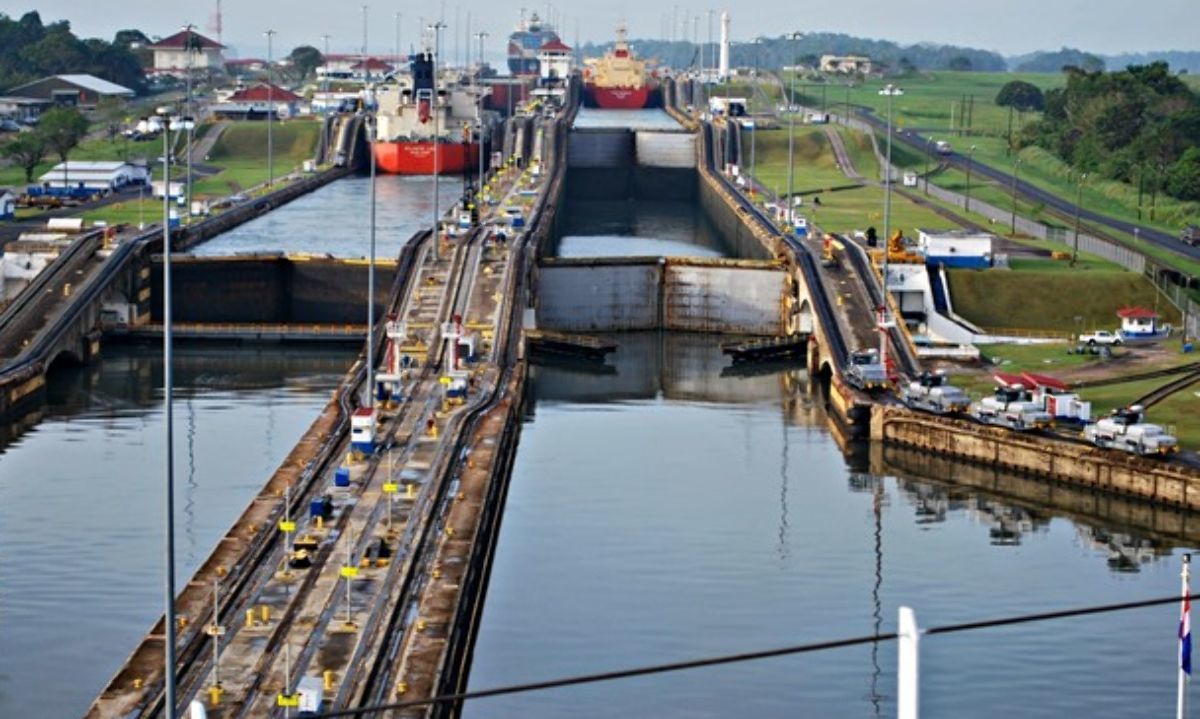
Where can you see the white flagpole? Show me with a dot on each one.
(1181, 698)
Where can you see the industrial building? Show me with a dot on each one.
(95, 175)
(8, 205)
(956, 248)
(84, 91)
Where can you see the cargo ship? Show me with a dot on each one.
(619, 80)
(417, 129)
(526, 41)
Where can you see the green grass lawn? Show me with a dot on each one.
(241, 152)
(927, 105)
(1050, 298)
(815, 167)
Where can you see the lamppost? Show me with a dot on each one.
(325, 77)
(792, 134)
(437, 28)
(270, 111)
(754, 124)
(372, 129)
(398, 17)
(891, 92)
(188, 112)
(1016, 169)
(480, 36)
(365, 62)
(169, 124)
(1078, 200)
(928, 155)
(970, 152)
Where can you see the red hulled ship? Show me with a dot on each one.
(619, 80)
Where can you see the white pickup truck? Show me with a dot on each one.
(1100, 337)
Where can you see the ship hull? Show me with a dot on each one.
(417, 158)
(619, 98)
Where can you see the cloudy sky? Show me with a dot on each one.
(1008, 26)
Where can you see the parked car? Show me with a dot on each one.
(1100, 337)
(10, 126)
(1191, 235)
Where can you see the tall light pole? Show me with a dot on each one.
(1078, 200)
(372, 129)
(928, 154)
(188, 113)
(169, 124)
(1016, 169)
(325, 78)
(270, 111)
(398, 50)
(436, 27)
(480, 36)
(791, 204)
(754, 124)
(970, 153)
(708, 48)
(365, 63)
(891, 92)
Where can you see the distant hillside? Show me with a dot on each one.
(1057, 60)
(773, 53)
(1178, 60)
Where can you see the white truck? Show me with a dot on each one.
(866, 372)
(1100, 337)
(1127, 430)
(1011, 407)
(932, 392)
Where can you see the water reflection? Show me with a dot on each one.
(663, 511)
(335, 219)
(81, 498)
(632, 228)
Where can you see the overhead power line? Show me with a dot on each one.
(752, 656)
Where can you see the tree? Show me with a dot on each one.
(27, 151)
(960, 63)
(1183, 178)
(907, 66)
(1023, 96)
(62, 128)
(305, 59)
(125, 38)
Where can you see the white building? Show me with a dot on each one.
(173, 57)
(846, 64)
(8, 205)
(95, 175)
(956, 248)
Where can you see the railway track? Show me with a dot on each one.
(1158, 395)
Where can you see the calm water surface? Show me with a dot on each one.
(629, 228)
(335, 219)
(81, 502)
(664, 511)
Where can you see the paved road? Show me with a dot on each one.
(1158, 237)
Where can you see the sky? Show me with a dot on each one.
(1007, 26)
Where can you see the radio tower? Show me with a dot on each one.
(214, 23)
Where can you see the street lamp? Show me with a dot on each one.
(480, 36)
(970, 152)
(169, 124)
(754, 124)
(437, 28)
(792, 134)
(1016, 169)
(891, 92)
(188, 112)
(325, 77)
(270, 111)
(372, 121)
(1078, 199)
(928, 155)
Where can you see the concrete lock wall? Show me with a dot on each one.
(610, 148)
(719, 296)
(666, 149)
(268, 290)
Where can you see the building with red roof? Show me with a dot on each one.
(185, 50)
(257, 101)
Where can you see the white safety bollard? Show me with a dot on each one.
(908, 671)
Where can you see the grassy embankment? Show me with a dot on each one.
(927, 106)
(240, 156)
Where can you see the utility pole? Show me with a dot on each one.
(891, 92)
(1078, 200)
(372, 131)
(188, 112)
(970, 152)
(365, 62)
(791, 204)
(1016, 169)
(325, 59)
(437, 111)
(398, 50)
(928, 154)
(270, 111)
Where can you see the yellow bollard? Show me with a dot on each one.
(214, 694)
(437, 573)
(250, 618)
(449, 531)
(421, 625)
(181, 622)
(410, 491)
(401, 688)
(137, 683)
(320, 522)
(328, 675)
(265, 613)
